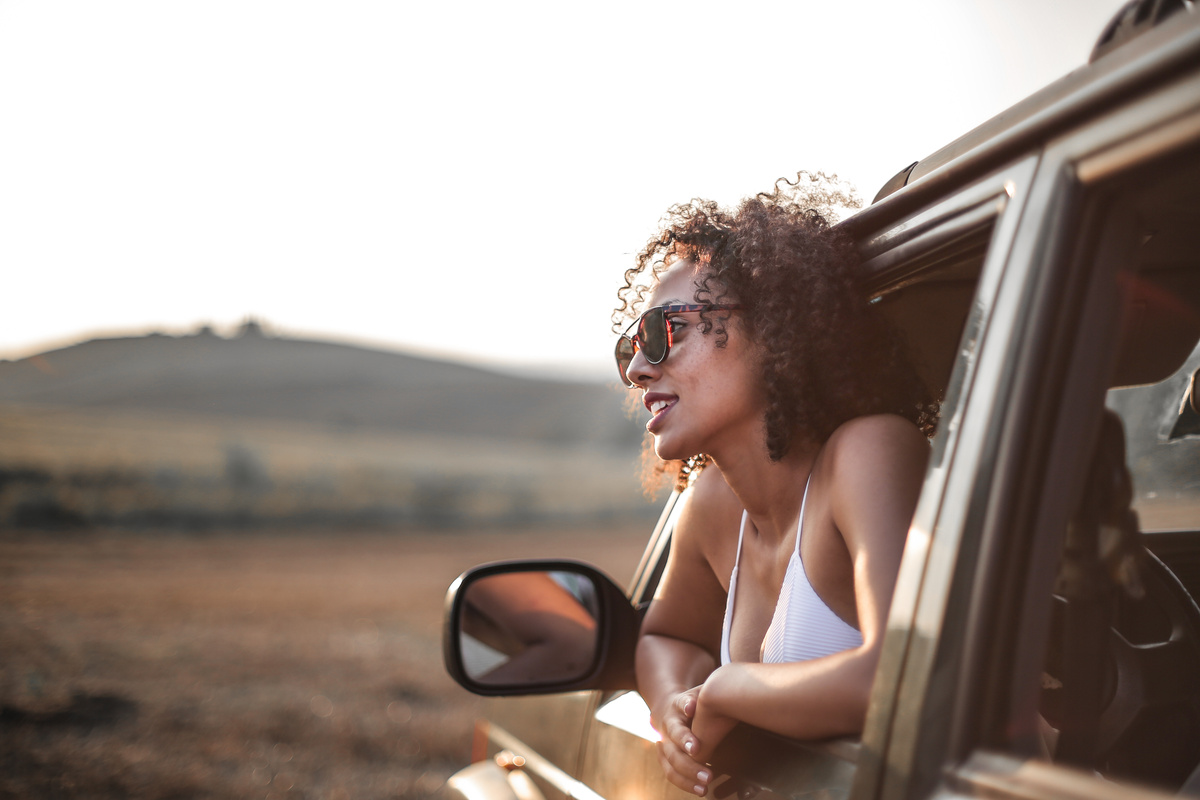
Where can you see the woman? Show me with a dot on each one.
(757, 353)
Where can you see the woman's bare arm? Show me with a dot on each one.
(555, 636)
(681, 634)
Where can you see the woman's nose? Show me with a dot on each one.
(640, 371)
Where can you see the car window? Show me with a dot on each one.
(925, 287)
(928, 307)
(923, 274)
(1152, 611)
(1119, 689)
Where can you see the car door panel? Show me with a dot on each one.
(540, 736)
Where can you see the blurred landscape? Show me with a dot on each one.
(201, 430)
(288, 665)
(223, 560)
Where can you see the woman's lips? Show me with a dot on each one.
(659, 405)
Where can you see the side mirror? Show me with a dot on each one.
(536, 627)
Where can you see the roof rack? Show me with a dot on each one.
(1135, 18)
(1037, 112)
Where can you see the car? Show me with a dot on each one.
(1043, 640)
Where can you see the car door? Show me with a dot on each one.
(1087, 299)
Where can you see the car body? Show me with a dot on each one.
(1043, 640)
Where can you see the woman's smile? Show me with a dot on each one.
(658, 404)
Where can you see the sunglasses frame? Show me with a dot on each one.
(634, 346)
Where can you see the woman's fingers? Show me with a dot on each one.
(683, 771)
(680, 735)
(677, 750)
(687, 703)
(679, 725)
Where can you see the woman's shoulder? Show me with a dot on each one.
(876, 466)
(865, 446)
(876, 429)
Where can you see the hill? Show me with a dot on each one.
(254, 376)
(204, 431)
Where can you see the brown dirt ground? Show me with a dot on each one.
(242, 665)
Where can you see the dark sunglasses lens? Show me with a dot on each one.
(624, 354)
(652, 333)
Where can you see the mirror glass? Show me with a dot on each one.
(523, 628)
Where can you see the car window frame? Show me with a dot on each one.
(997, 200)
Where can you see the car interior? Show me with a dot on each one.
(1121, 688)
(944, 279)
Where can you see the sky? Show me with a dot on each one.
(461, 179)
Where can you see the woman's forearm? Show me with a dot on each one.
(669, 670)
(805, 700)
(667, 666)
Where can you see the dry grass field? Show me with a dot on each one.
(234, 665)
(141, 468)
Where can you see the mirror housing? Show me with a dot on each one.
(607, 663)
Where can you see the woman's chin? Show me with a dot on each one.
(669, 451)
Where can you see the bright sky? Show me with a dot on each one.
(457, 178)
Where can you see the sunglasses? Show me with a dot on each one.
(654, 335)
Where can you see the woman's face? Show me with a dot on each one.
(702, 398)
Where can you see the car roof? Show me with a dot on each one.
(1118, 70)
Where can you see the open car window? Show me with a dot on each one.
(923, 274)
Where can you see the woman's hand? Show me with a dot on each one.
(710, 725)
(679, 746)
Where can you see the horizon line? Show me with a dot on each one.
(575, 371)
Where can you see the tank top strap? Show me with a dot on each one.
(803, 505)
(725, 659)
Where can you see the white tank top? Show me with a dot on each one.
(803, 627)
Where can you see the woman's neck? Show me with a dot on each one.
(770, 491)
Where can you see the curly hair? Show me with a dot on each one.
(831, 356)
